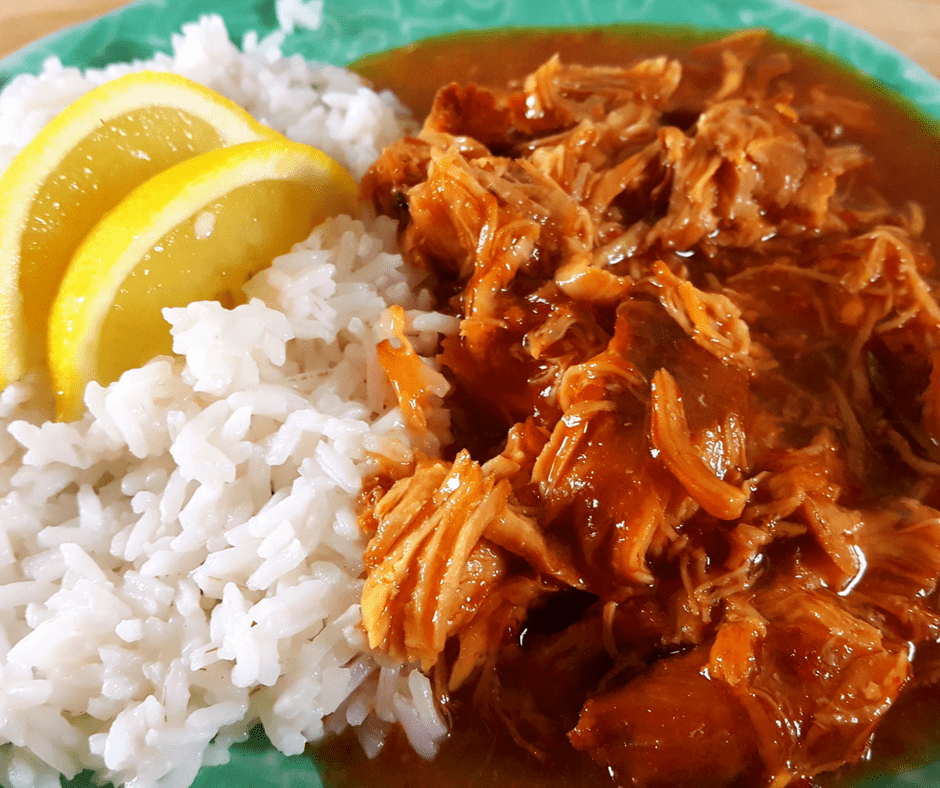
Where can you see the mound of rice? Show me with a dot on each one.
(184, 561)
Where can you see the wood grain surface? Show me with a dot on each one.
(913, 26)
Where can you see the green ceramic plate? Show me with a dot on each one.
(352, 28)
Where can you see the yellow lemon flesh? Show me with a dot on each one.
(82, 164)
(195, 232)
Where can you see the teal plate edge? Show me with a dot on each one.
(353, 28)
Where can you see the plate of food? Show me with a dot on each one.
(416, 396)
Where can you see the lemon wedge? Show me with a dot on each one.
(77, 169)
(197, 231)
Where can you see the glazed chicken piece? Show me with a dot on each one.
(793, 686)
(440, 561)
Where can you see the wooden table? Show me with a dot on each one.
(913, 26)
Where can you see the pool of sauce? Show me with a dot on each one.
(904, 139)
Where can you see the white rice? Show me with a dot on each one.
(185, 560)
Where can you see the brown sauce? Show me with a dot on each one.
(906, 144)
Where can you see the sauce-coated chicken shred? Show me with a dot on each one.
(696, 388)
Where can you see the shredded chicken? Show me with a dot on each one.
(695, 388)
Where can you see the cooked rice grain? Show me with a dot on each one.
(184, 561)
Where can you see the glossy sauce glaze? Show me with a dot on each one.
(479, 753)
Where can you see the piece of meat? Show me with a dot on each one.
(673, 726)
(791, 688)
(401, 165)
(417, 386)
(438, 563)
